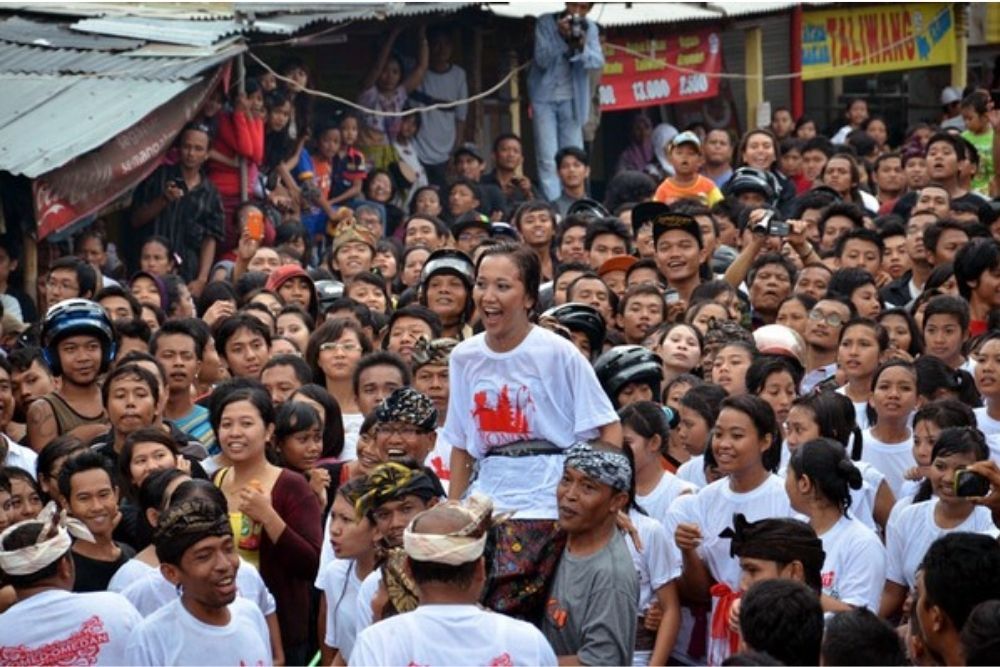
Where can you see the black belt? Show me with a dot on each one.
(524, 448)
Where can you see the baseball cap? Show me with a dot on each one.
(616, 263)
(950, 95)
(664, 220)
(468, 148)
(686, 138)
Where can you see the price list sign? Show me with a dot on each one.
(673, 68)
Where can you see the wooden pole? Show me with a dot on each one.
(798, 98)
(515, 97)
(475, 114)
(753, 48)
(29, 266)
(241, 73)
(960, 67)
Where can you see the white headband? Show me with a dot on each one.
(52, 544)
(454, 548)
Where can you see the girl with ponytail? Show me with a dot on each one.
(819, 482)
(831, 415)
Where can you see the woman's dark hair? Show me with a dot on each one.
(961, 440)
(278, 145)
(293, 417)
(416, 193)
(197, 488)
(154, 488)
(648, 419)
(933, 375)
(738, 155)
(148, 434)
(705, 399)
(370, 178)
(764, 422)
(689, 379)
(216, 290)
(173, 284)
(939, 276)
(63, 446)
(329, 332)
(377, 282)
(165, 242)
(916, 336)
(333, 421)
(296, 309)
(767, 365)
(835, 416)
(255, 394)
(826, 464)
(881, 335)
(845, 281)
(628, 187)
(892, 363)
(945, 414)
(526, 261)
(293, 230)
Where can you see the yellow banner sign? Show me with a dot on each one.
(862, 40)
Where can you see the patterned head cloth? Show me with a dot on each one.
(349, 231)
(607, 467)
(435, 352)
(391, 481)
(53, 542)
(186, 523)
(409, 406)
(779, 540)
(463, 545)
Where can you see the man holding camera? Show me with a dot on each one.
(566, 47)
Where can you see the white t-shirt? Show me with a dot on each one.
(991, 429)
(352, 431)
(439, 459)
(863, 499)
(20, 456)
(692, 471)
(543, 389)
(655, 566)
(436, 138)
(860, 410)
(713, 512)
(172, 636)
(662, 497)
(340, 583)
(56, 627)
(892, 460)
(363, 615)
(912, 530)
(148, 591)
(683, 510)
(854, 567)
(443, 634)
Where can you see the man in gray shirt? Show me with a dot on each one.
(441, 130)
(593, 606)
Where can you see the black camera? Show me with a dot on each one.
(772, 224)
(968, 484)
(577, 30)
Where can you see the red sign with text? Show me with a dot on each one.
(673, 68)
(91, 181)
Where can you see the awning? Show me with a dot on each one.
(621, 14)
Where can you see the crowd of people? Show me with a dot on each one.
(375, 405)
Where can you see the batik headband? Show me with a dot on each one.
(409, 406)
(607, 467)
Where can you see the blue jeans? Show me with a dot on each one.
(555, 127)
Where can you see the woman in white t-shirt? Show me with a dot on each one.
(888, 445)
(333, 353)
(746, 444)
(928, 422)
(818, 482)
(645, 429)
(862, 343)
(520, 396)
(987, 376)
(353, 541)
(913, 529)
(699, 408)
(828, 414)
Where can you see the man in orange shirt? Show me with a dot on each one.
(686, 183)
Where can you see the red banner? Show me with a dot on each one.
(673, 68)
(92, 181)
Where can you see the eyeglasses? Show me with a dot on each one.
(833, 319)
(406, 431)
(344, 347)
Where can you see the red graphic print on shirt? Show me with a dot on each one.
(80, 648)
(503, 415)
(502, 660)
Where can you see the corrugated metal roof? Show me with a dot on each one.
(193, 33)
(19, 30)
(18, 59)
(615, 14)
(47, 121)
(187, 11)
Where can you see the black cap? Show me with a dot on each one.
(663, 220)
(467, 220)
(468, 148)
